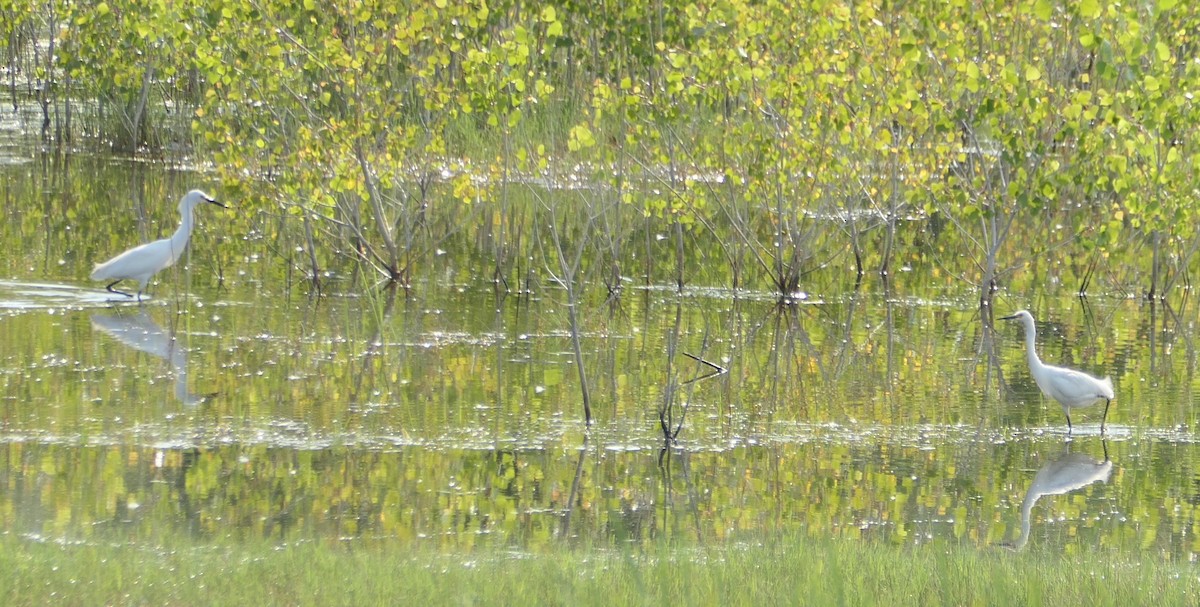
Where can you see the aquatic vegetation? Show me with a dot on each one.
(1026, 136)
(461, 223)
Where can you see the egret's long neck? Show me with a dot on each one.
(1030, 341)
(180, 238)
(1031, 498)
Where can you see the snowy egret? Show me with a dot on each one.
(143, 262)
(1069, 387)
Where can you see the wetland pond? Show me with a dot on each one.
(233, 404)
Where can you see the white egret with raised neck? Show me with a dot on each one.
(1071, 388)
(142, 262)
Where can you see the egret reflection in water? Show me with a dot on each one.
(1066, 474)
(140, 332)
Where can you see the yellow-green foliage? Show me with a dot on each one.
(1074, 119)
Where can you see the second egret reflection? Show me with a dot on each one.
(140, 332)
(1069, 472)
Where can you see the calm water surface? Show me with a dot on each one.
(232, 405)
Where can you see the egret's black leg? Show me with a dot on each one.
(1069, 429)
(1107, 402)
(112, 290)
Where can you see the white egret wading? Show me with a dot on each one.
(143, 262)
(1069, 387)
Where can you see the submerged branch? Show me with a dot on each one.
(715, 369)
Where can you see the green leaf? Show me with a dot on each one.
(581, 138)
(972, 77)
(883, 139)
(1043, 10)
(1162, 50)
(1032, 73)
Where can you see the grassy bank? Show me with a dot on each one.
(782, 571)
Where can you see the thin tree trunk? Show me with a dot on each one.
(139, 112)
(376, 204)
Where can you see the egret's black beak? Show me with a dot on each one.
(214, 201)
(1007, 317)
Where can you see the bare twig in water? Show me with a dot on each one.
(665, 412)
(716, 369)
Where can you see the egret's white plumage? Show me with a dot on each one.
(143, 262)
(1069, 387)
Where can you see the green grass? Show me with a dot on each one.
(782, 571)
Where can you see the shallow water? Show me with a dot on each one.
(451, 416)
